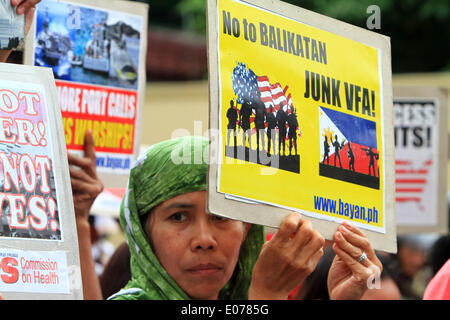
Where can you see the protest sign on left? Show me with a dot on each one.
(27, 183)
(35, 200)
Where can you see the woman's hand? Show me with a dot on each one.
(287, 259)
(349, 278)
(27, 7)
(23, 6)
(86, 185)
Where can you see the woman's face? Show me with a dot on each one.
(198, 250)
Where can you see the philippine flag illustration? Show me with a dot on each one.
(361, 134)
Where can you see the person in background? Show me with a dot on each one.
(439, 286)
(411, 272)
(102, 247)
(315, 286)
(116, 273)
(439, 253)
(439, 259)
(386, 288)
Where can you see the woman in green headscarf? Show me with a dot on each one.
(179, 251)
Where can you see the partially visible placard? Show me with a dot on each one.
(301, 119)
(34, 271)
(421, 148)
(97, 53)
(12, 26)
(108, 202)
(38, 239)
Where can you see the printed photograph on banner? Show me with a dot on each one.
(416, 128)
(96, 52)
(28, 201)
(88, 45)
(299, 128)
(12, 26)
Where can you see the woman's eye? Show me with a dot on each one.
(178, 217)
(219, 218)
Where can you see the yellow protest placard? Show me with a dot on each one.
(301, 116)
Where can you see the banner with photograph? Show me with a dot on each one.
(97, 54)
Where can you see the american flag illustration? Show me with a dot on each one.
(410, 182)
(273, 94)
(245, 83)
(248, 86)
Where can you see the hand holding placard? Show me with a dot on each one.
(349, 273)
(86, 185)
(27, 7)
(287, 259)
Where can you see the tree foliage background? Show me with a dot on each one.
(419, 30)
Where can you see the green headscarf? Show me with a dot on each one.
(168, 169)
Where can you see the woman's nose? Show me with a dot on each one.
(203, 237)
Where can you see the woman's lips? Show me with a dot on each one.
(204, 269)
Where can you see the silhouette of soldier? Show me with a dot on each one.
(337, 148)
(351, 157)
(260, 116)
(292, 124)
(326, 150)
(281, 118)
(372, 156)
(271, 125)
(232, 116)
(244, 121)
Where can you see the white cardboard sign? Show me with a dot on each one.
(420, 124)
(37, 221)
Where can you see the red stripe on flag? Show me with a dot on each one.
(414, 199)
(409, 190)
(403, 171)
(402, 162)
(265, 91)
(410, 181)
